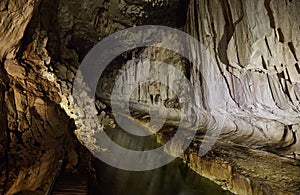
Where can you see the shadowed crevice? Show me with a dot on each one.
(229, 29)
(293, 50)
(267, 4)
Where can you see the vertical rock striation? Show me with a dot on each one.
(252, 75)
(249, 71)
(255, 45)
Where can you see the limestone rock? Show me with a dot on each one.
(256, 62)
(14, 69)
(254, 82)
(15, 15)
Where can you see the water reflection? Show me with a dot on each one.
(174, 178)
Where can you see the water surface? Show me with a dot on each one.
(174, 178)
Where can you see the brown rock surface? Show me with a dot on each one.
(255, 45)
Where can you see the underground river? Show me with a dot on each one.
(173, 178)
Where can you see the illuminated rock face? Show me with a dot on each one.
(255, 45)
(252, 75)
(34, 129)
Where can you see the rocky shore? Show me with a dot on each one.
(236, 168)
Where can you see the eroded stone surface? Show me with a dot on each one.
(255, 45)
(257, 61)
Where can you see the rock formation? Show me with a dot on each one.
(255, 47)
(254, 80)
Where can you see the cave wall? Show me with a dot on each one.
(42, 44)
(249, 72)
(255, 45)
(35, 131)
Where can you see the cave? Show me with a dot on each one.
(149, 97)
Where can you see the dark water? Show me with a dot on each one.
(174, 178)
